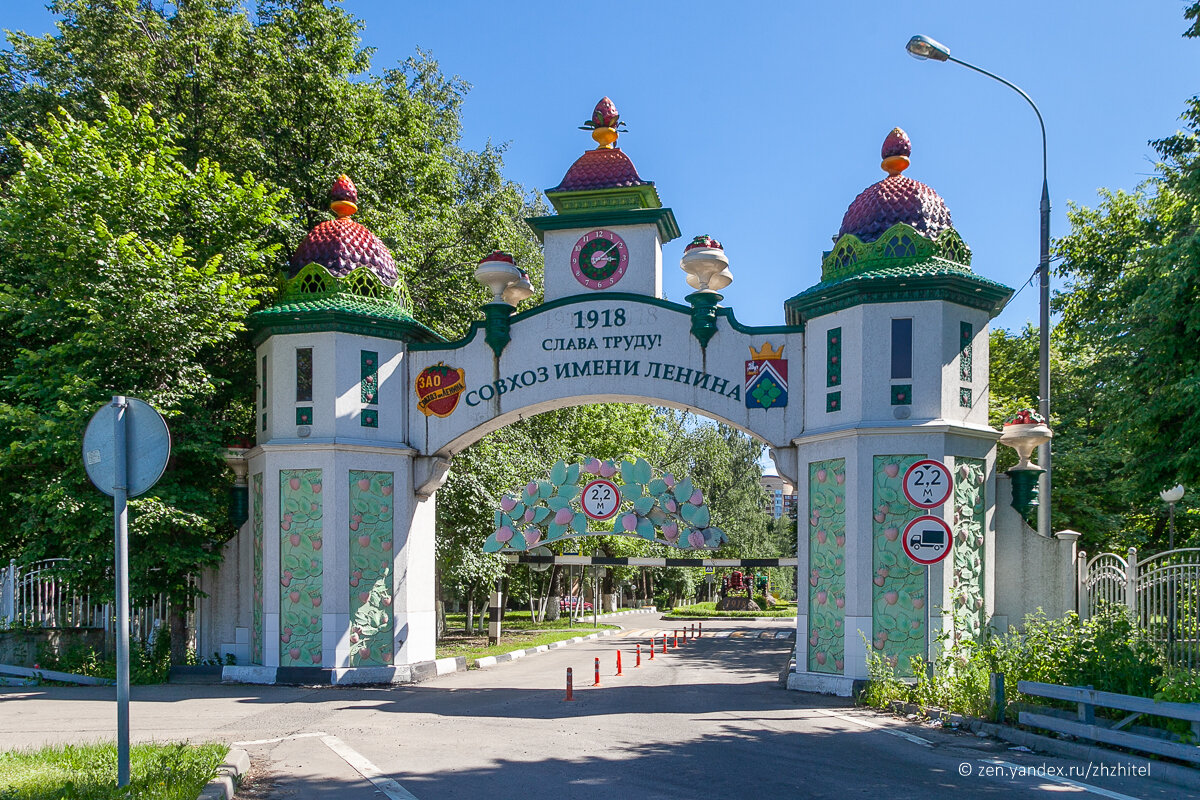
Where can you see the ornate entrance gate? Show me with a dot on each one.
(361, 409)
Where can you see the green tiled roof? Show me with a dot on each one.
(339, 311)
(930, 279)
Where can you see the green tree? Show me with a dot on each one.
(122, 271)
(288, 94)
(1132, 310)
(283, 92)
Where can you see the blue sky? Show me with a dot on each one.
(761, 121)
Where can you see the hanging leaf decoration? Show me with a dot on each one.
(658, 509)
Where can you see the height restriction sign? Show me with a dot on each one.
(927, 484)
(600, 499)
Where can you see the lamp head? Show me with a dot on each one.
(923, 47)
(1173, 495)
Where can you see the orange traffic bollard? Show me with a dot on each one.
(638, 663)
(701, 631)
(664, 650)
(570, 686)
(675, 643)
(618, 662)
(597, 683)
(651, 648)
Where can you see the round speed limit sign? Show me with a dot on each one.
(600, 499)
(927, 484)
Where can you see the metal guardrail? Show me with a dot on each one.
(1085, 725)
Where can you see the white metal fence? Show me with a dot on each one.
(36, 596)
(1162, 592)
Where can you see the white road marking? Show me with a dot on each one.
(866, 723)
(1087, 787)
(281, 738)
(389, 787)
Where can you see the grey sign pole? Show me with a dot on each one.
(121, 531)
(125, 450)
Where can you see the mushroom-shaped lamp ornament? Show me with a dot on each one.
(518, 290)
(497, 271)
(1024, 432)
(706, 265)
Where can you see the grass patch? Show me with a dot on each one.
(79, 772)
(521, 621)
(474, 647)
(707, 609)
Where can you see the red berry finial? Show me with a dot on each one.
(344, 196)
(605, 114)
(605, 123)
(499, 255)
(704, 240)
(895, 152)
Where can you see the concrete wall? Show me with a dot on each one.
(223, 618)
(24, 648)
(1032, 572)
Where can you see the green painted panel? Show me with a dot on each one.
(371, 617)
(827, 565)
(965, 356)
(833, 357)
(256, 631)
(369, 363)
(300, 564)
(967, 583)
(899, 610)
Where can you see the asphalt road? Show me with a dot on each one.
(708, 720)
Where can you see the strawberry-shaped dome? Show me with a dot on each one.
(895, 199)
(342, 245)
(606, 167)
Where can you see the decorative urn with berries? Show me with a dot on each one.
(1024, 432)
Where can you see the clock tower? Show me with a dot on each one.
(610, 227)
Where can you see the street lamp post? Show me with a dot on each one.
(923, 47)
(1171, 497)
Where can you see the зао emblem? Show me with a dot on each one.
(766, 378)
(438, 389)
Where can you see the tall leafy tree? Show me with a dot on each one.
(126, 218)
(122, 271)
(1132, 310)
(288, 94)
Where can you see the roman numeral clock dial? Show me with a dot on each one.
(599, 259)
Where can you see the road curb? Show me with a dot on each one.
(491, 661)
(229, 774)
(355, 676)
(646, 610)
(1175, 774)
(666, 618)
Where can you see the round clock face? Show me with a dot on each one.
(599, 259)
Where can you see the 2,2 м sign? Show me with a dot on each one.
(600, 499)
(927, 484)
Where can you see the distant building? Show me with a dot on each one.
(781, 496)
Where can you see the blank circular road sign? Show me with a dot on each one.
(147, 447)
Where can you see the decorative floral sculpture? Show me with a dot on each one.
(661, 509)
(1026, 416)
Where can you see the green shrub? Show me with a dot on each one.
(148, 663)
(1107, 652)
